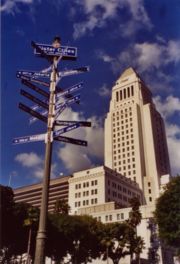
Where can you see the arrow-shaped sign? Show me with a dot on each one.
(70, 90)
(72, 141)
(43, 113)
(33, 74)
(65, 129)
(68, 102)
(23, 77)
(35, 88)
(28, 139)
(46, 51)
(74, 71)
(34, 99)
(32, 112)
(61, 107)
(66, 123)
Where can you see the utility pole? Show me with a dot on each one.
(41, 235)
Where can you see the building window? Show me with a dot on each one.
(120, 95)
(117, 96)
(124, 93)
(122, 216)
(110, 217)
(124, 190)
(128, 90)
(132, 90)
(106, 218)
(150, 199)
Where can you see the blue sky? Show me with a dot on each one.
(110, 35)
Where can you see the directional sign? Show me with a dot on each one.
(74, 71)
(35, 88)
(72, 141)
(65, 129)
(60, 110)
(44, 50)
(70, 90)
(26, 78)
(34, 99)
(66, 123)
(32, 112)
(28, 139)
(43, 113)
(33, 74)
(68, 102)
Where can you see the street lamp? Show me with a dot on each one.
(76, 244)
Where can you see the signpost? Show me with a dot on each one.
(32, 112)
(35, 88)
(52, 109)
(43, 50)
(28, 139)
(34, 99)
(72, 141)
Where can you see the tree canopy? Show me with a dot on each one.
(96, 239)
(168, 214)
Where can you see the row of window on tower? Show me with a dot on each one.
(125, 93)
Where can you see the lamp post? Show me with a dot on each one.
(76, 244)
(41, 235)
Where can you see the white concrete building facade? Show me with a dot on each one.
(101, 185)
(135, 140)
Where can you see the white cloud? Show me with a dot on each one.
(104, 91)
(173, 139)
(169, 106)
(148, 55)
(28, 159)
(173, 51)
(74, 158)
(78, 157)
(11, 6)
(147, 58)
(99, 12)
(35, 164)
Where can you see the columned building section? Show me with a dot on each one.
(58, 189)
(135, 140)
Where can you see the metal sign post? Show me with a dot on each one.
(41, 235)
(49, 110)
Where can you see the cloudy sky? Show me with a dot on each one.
(110, 35)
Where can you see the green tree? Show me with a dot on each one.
(61, 207)
(114, 241)
(6, 213)
(64, 229)
(167, 214)
(136, 243)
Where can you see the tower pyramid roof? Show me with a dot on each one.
(127, 72)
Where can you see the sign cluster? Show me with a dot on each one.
(63, 97)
